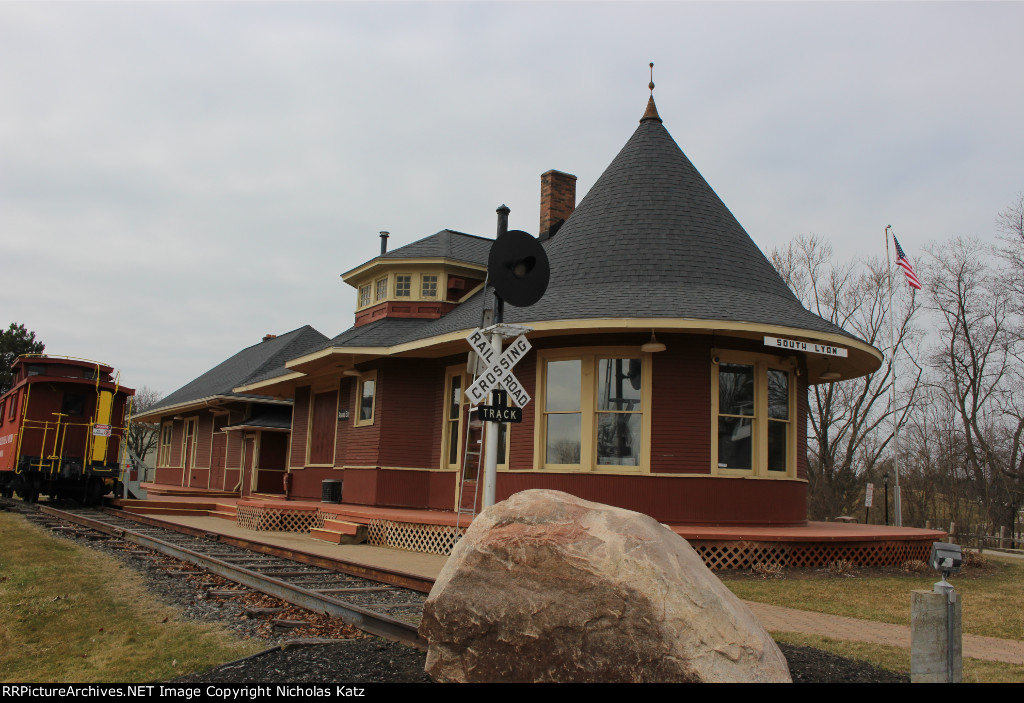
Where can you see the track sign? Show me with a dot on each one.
(499, 370)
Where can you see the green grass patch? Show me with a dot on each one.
(70, 614)
(897, 659)
(991, 595)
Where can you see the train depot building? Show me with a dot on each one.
(668, 373)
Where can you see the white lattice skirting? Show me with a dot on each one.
(414, 537)
(262, 519)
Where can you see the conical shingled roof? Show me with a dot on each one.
(652, 239)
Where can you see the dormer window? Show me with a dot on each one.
(429, 289)
(364, 295)
(403, 286)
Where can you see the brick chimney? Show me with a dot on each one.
(267, 337)
(557, 201)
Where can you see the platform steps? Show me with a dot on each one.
(167, 507)
(156, 489)
(340, 532)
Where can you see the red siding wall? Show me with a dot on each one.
(204, 439)
(409, 413)
(364, 441)
(698, 500)
(300, 424)
(234, 452)
(346, 401)
(681, 406)
(325, 422)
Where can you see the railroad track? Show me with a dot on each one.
(381, 602)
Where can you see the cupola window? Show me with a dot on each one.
(403, 286)
(429, 288)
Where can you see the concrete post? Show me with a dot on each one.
(930, 633)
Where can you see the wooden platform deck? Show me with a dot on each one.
(437, 531)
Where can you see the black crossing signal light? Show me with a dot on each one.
(518, 268)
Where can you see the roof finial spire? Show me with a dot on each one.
(652, 112)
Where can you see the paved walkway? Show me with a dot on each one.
(774, 618)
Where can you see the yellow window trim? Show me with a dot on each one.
(415, 288)
(588, 409)
(467, 379)
(759, 440)
(446, 422)
(363, 378)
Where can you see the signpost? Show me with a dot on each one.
(497, 374)
(869, 494)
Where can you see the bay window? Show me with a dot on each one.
(594, 410)
(753, 405)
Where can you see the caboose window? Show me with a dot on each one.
(36, 370)
(73, 404)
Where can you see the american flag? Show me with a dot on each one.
(903, 262)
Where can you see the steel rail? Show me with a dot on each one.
(357, 616)
(391, 576)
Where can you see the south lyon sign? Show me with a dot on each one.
(809, 347)
(499, 370)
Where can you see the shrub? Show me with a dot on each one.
(915, 566)
(840, 567)
(768, 570)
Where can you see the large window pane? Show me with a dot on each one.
(736, 389)
(778, 394)
(563, 439)
(777, 433)
(563, 386)
(618, 384)
(618, 439)
(734, 443)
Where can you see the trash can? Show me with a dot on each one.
(330, 491)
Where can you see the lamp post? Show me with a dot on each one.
(886, 498)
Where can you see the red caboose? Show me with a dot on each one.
(62, 426)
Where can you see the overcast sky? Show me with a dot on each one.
(178, 179)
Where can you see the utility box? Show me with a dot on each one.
(936, 638)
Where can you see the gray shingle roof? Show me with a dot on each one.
(650, 239)
(263, 360)
(447, 244)
(381, 333)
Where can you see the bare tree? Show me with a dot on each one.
(978, 367)
(143, 436)
(851, 421)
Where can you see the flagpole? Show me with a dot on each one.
(892, 387)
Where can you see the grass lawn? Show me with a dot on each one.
(992, 595)
(991, 607)
(69, 614)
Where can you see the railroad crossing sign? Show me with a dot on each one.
(499, 370)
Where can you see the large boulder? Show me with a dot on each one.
(548, 587)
